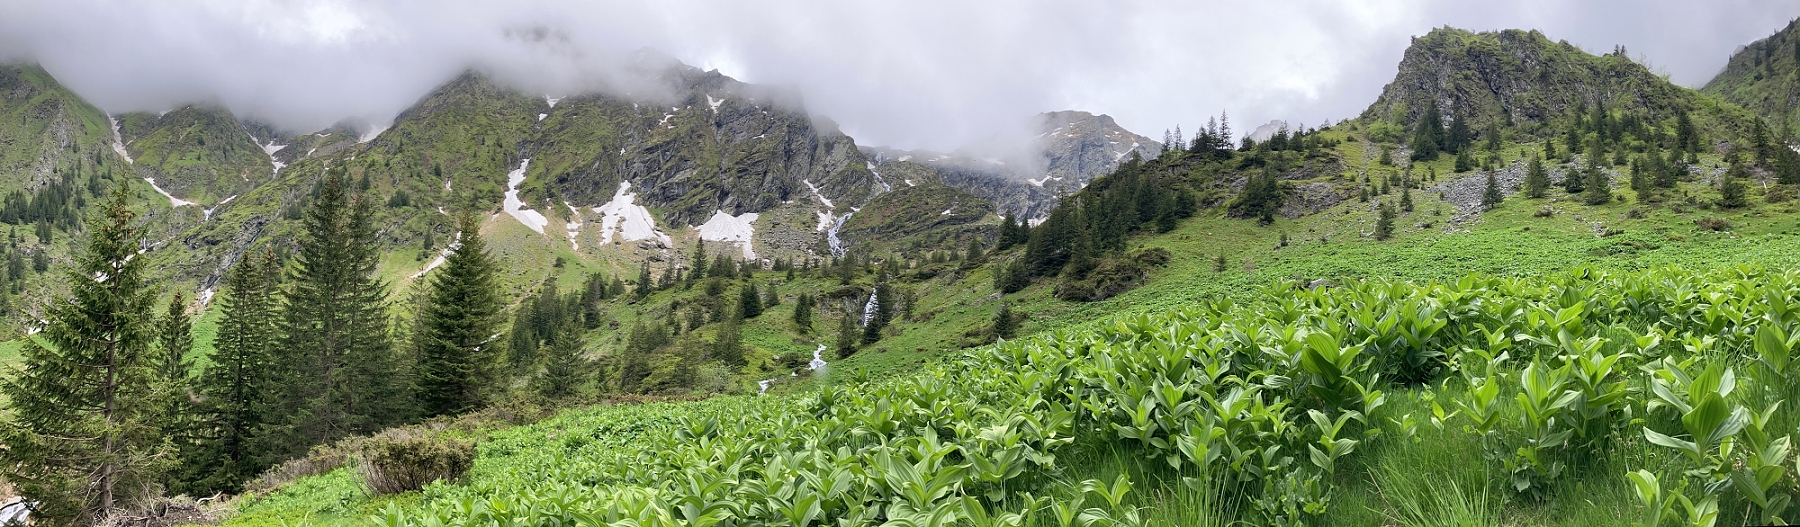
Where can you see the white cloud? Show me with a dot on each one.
(923, 73)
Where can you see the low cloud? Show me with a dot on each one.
(921, 74)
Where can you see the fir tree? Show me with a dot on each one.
(728, 344)
(1406, 205)
(174, 384)
(564, 366)
(847, 335)
(1490, 195)
(1732, 192)
(340, 371)
(749, 302)
(1464, 161)
(1428, 137)
(1384, 221)
(803, 312)
(1599, 187)
(699, 259)
(81, 436)
(235, 387)
(458, 350)
(1537, 179)
(1004, 323)
(1219, 263)
(1574, 183)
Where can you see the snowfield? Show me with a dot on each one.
(515, 207)
(722, 227)
(631, 221)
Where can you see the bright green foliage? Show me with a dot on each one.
(83, 437)
(235, 387)
(337, 362)
(458, 343)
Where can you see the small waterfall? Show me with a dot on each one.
(869, 308)
(817, 364)
(837, 246)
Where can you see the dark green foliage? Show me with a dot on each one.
(1011, 277)
(1537, 179)
(749, 302)
(1574, 182)
(1406, 205)
(803, 312)
(1004, 323)
(1261, 198)
(1464, 161)
(406, 460)
(458, 349)
(340, 373)
(1219, 264)
(1428, 135)
(174, 384)
(1490, 194)
(565, 368)
(1732, 191)
(82, 430)
(1384, 221)
(846, 335)
(728, 344)
(1599, 186)
(234, 389)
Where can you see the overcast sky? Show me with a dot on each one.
(914, 73)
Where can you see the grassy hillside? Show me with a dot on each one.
(1761, 77)
(199, 153)
(1428, 257)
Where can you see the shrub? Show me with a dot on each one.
(404, 460)
(1544, 212)
(1713, 224)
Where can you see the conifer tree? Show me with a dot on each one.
(1599, 186)
(82, 438)
(174, 384)
(1574, 182)
(803, 312)
(1537, 179)
(1731, 187)
(749, 302)
(884, 301)
(1464, 161)
(1219, 263)
(458, 348)
(699, 261)
(846, 337)
(1406, 205)
(728, 344)
(235, 388)
(1490, 195)
(564, 366)
(1384, 221)
(1004, 323)
(339, 368)
(1428, 137)
(644, 283)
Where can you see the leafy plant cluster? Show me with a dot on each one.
(1268, 404)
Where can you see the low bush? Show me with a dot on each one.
(1713, 224)
(404, 460)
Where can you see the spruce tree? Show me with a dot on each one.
(82, 437)
(728, 343)
(884, 300)
(1599, 186)
(1490, 195)
(235, 388)
(340, 371)
(749, 302)
(1384, 221)
(563, 364)
(1406, 205)
(458, 347)
(1574, 182)
(1004, 323)
(847, 335)
(803, 312)
(174, 384)
(1537, 179)
(1732, 192)
(1428, 136)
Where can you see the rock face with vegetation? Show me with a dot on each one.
(1068, 149)
(199, 153)
(45, 128)
(927, 215)
(1762, 76)
(1524, 81)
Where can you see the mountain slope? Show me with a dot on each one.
(199, 153)
(1025, 177)
(1525, 81)
(1764, 77)
(45, 127)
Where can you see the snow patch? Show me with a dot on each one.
(722, 227)
(631, 221)
(946, 212)
(270, 150)
(714, 103)
(825, 221)
(173, 201)
(209, 212)
(910, 183)
(541, 116)
(574, 226)
(515, 207)
(815, 191)
(550, 100)
(370, 135)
